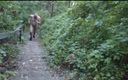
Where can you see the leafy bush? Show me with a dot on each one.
(92, 39)
(44, 15)
(8, 52)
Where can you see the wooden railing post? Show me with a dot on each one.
(20, 31)
(20, 34)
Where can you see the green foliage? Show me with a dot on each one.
(14, 11)
(8, 16)
(44, 14)
(8, 52)
(59, 7)
(95, 33)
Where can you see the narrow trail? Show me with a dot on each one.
(32, 64)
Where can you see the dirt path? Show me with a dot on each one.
(32, 64)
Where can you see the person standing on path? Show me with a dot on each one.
(33, 21)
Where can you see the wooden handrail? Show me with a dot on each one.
(18, 31)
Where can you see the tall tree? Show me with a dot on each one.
(49, 7)
(52, 7)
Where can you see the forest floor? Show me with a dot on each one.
(32, 63)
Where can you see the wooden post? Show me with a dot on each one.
(20, 34)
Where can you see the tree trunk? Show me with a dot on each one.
(52, 7)
(69, 3)
(49, 7)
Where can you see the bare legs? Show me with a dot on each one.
(32, 32)
(30, 36)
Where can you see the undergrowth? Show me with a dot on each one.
(90, 39)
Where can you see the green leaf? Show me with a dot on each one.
(108, 60)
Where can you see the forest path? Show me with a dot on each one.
(32, 64)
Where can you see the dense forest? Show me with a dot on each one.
(89, 38)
